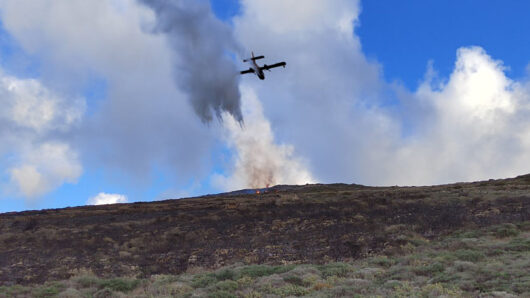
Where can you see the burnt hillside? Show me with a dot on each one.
(300, 224)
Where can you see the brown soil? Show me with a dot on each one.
(300, 224)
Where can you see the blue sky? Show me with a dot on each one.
(399, 36)
(404, 35)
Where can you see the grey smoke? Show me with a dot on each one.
(202, 45)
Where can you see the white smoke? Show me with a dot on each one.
(259, 161)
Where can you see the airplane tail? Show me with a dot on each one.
(253, 58)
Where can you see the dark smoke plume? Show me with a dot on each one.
(202, 45)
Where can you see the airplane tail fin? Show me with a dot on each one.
(254, 58)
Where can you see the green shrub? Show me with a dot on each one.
(437, 290)
(225, 274)
(290, 290)
(14, 290)
(335, 269)
(469, 255)
(203, 280)
(104, 293)
(86, 281)
(295, 280)
(444, 256)
(524, 226)
(521, 287)
(221, 294)
(227, 285)
(494, 252)
(392, 284)
(164, 279)
(519, 244)
(47, 291)
(429, 269)
(382, 261)
(400, 272)
(342, 291)
(444, 277)
(253, 294)
(469, 234)
(70, 293)
(120, 284)
(244, 281)
(462, 266)
(505, 230)
(264, 270)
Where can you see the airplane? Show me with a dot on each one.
(258, 70)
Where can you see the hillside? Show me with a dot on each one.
(312, 224)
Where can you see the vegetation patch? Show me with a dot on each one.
(429, 269)
(505, 230)
(264, 270)
(221, 294)
(519, 244)
(120, 284)
(335, 269)
(469, 255)
(449, 266)
(227, 285)
(203, 280)
(225, 274)
(297, 281)
(49, 290)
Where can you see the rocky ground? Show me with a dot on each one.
(312, 224)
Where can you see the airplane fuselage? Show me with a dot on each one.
(257, 70)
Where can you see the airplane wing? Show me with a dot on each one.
(250, 70)
(267, 67)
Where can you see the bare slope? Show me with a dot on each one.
(305, 224)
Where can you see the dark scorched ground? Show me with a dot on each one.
(286, 224)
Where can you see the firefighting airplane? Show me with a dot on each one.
(258, 70)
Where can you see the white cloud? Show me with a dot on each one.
(28, 180)
(144, 121)
(107, 198)
(31, 118)
(331, 104)
(259, 161)
(45, 168)
(313, 16)
(478, 127)
(27, 103)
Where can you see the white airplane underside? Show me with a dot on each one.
(258, 70)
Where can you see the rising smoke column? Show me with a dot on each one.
(201, 45)
(203, 69)
(259, 161)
